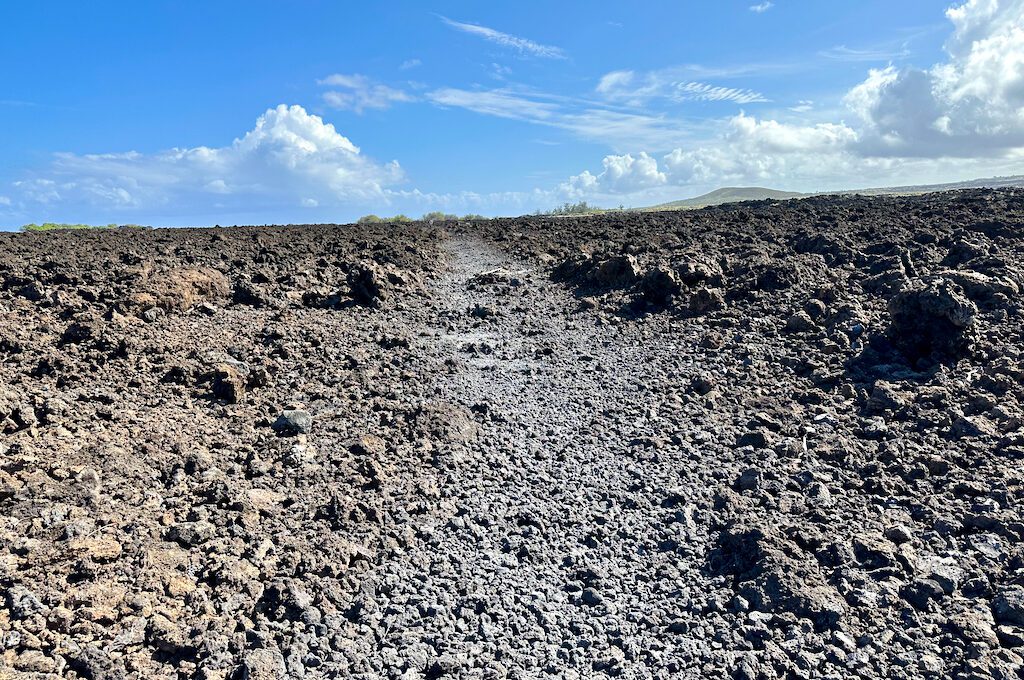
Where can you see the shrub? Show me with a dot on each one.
(438, 216)
(581, 208)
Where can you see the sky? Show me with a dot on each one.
(188, 112)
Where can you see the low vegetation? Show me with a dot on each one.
(435, 216)
(55, 226)
(580, 208)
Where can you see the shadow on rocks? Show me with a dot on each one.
(769, 576)
(932, 322)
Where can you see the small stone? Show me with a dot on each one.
(482, 311)
(23, 603)
(930, 664)
(750, 479)
(190, 534)
(591, 597)
(263, 664)
(34, 661)
(293, 422)
(1010, 636)
(1008, 605)
(704, 300)
(702, 384)
(800, 322)
(99, 548)
(844, 641)
(921, 592)
(899, 534)
(819, 494)
(164, 635)
(943, 570)
(228, 384)
(815, 308)
(759, 439)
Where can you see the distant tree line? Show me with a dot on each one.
(580, 208)
(436, 216)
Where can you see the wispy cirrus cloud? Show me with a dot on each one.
(694, 91)
(358, 93)
(591, 121)
(629, 87)
(844, 53)
(522, 45)
(762, 7)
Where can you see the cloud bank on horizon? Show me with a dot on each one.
(961, 116)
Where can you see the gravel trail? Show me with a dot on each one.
(547, 552)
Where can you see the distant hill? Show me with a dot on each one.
(728, 195)
(738, 194)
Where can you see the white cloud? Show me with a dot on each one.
(522, 45)
(622, 174)
(626, 87)
(290, 157)
(969, 105)
(358, 93)
(410, 63)
(962, 117)
(500, 71)
(761, 7)
(616, 128)
(714, 93)
(844, 53)
(755, 151)
(5, 200)
(500, 103)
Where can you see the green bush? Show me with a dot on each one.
(581, 208)
(370, 219)
(438, 216)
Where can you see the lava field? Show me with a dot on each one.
(756, 441)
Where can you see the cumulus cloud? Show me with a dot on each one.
(522, 45)
(358, 93)
(621, 174)
(906, 124)
(972, 103)
(761, 7)
(289, 158)
(747, 150)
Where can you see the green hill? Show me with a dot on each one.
(728, 195)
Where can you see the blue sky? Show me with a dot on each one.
(178, 112)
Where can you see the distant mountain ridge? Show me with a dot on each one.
(739, 194)
(729, 195)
